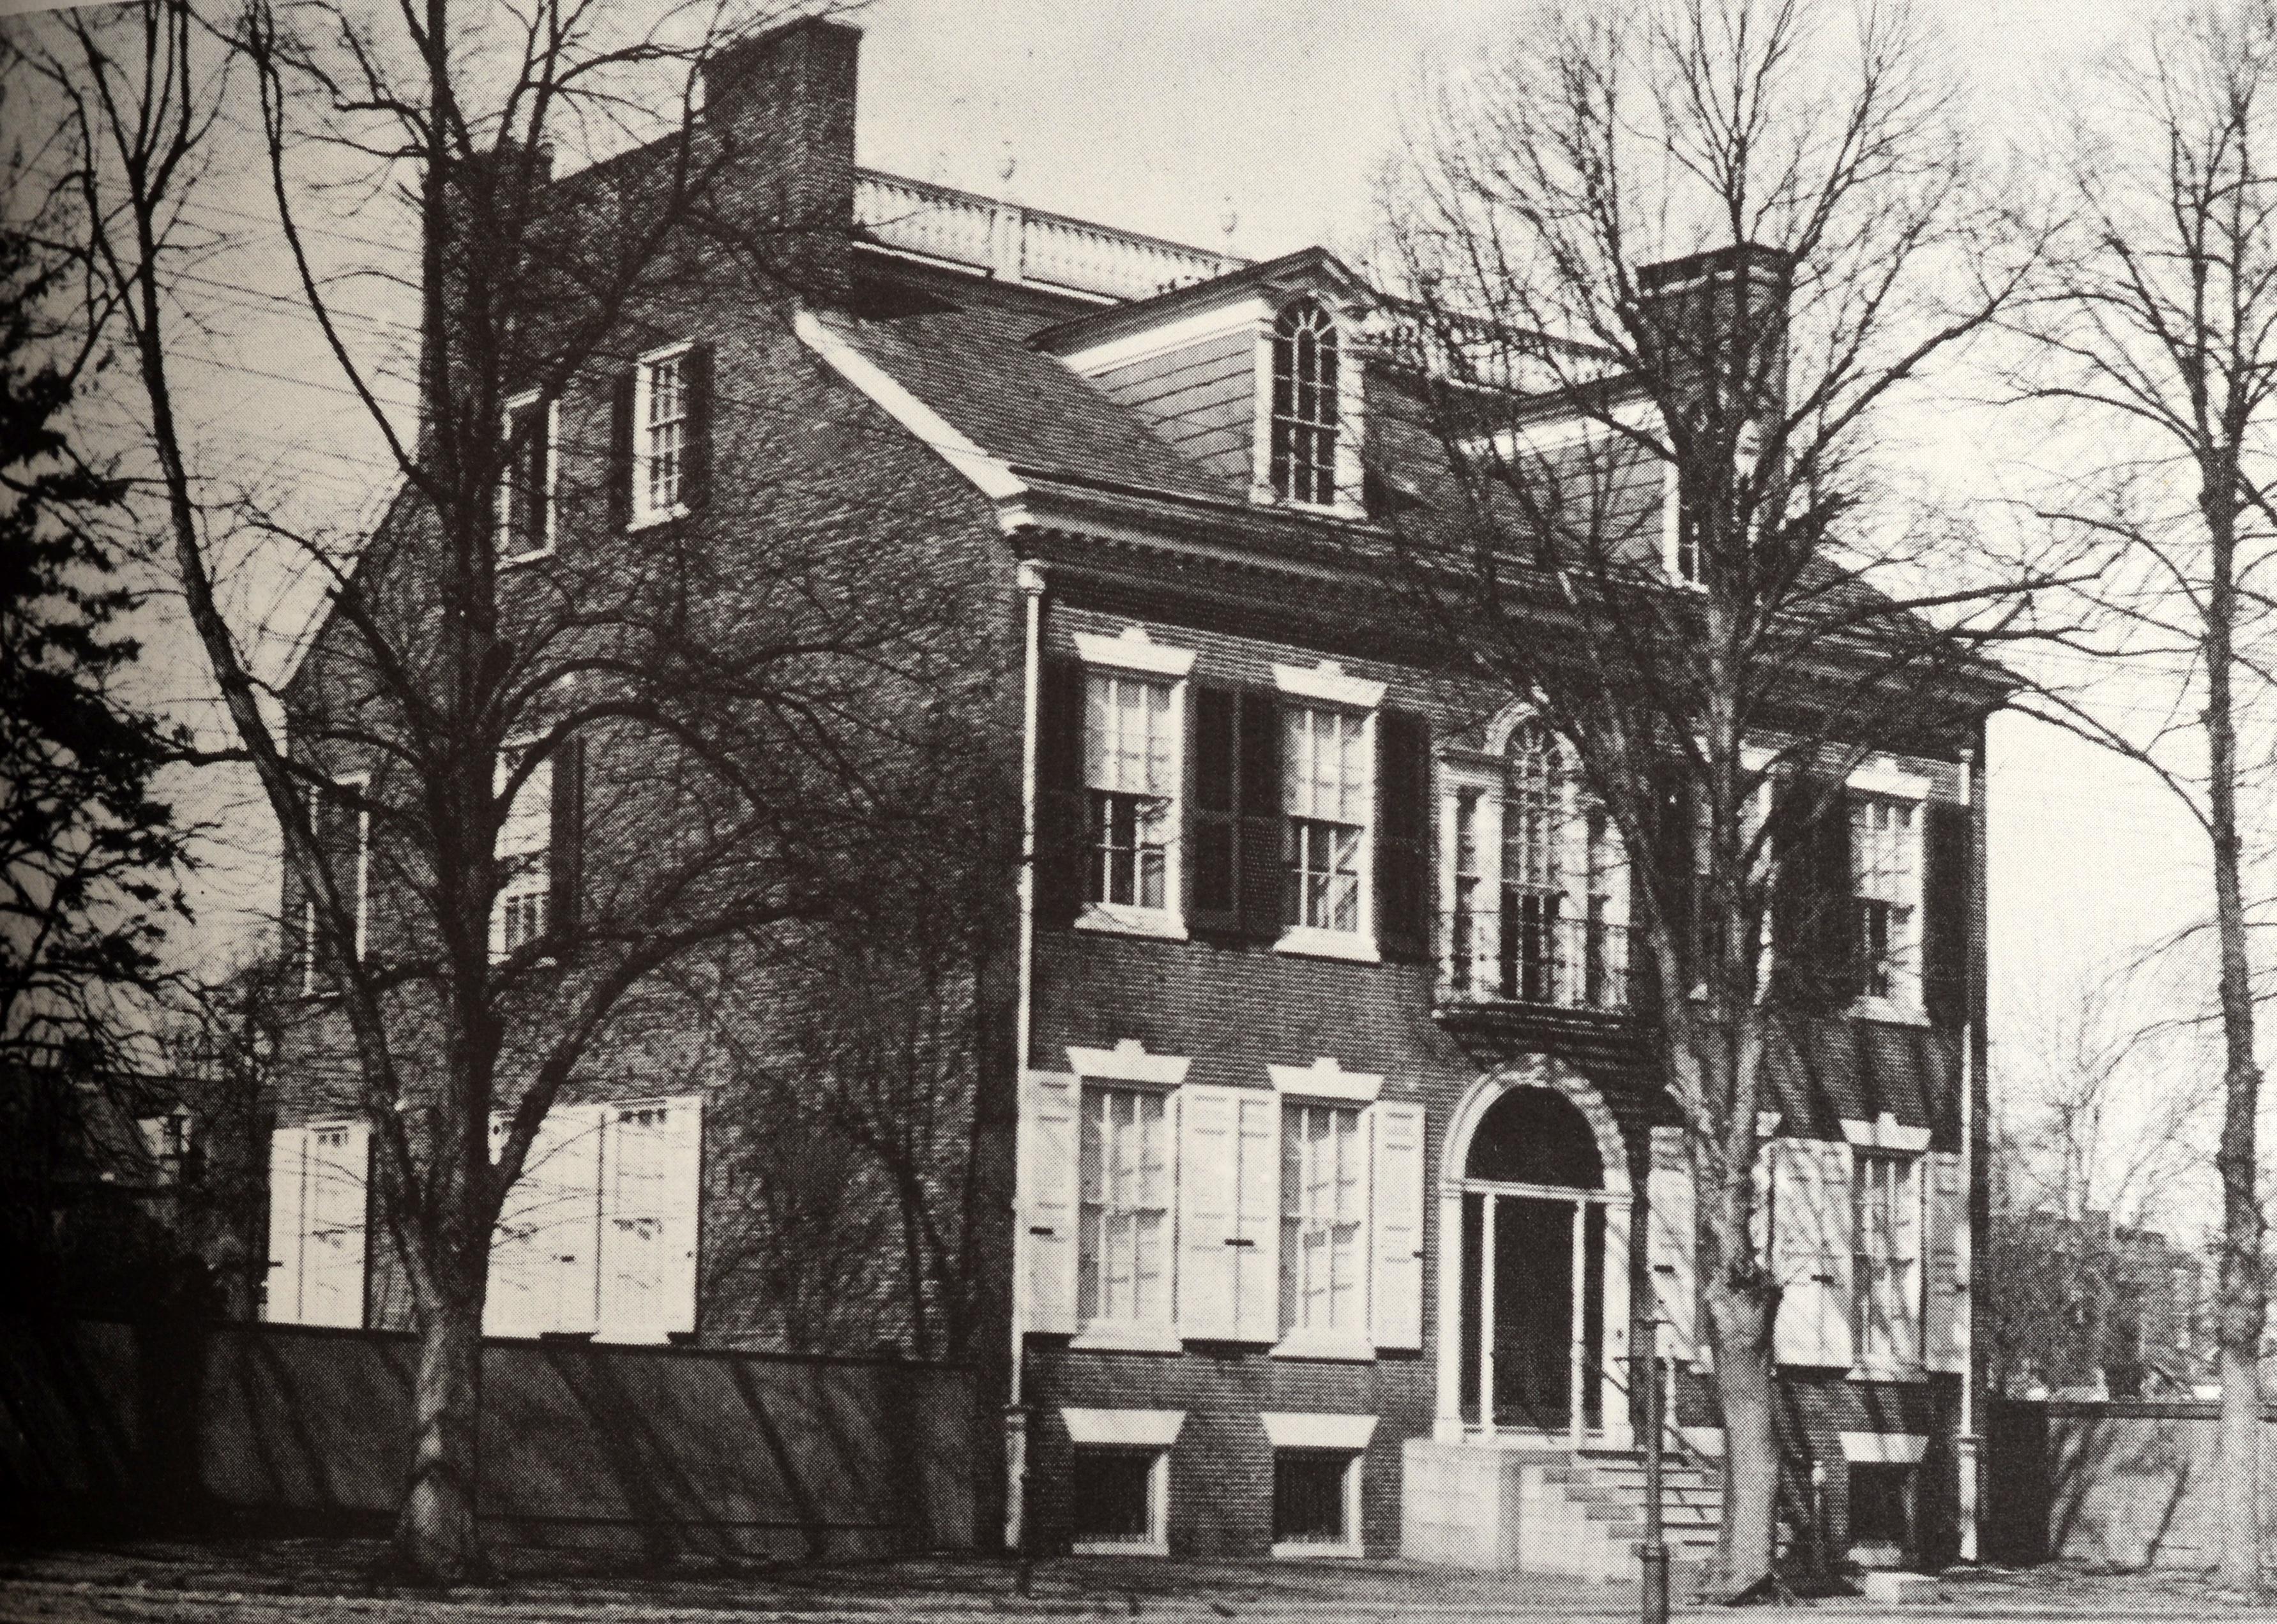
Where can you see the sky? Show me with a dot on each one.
(1183, 118)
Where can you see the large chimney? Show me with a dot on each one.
(1714, 329)
(781, 106)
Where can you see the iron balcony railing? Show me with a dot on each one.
(1528, 951)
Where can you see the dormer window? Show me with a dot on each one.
(1305, 405)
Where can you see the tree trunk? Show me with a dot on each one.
(1739, 1326)
(435, 1538)
(2243, 1309)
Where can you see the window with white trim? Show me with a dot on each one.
(1124, 1251)
(526, 482)
(1305, 405)
(660, 427)
(524, 851)
(1885, 1271)
(1131, 778)
(1330, 790)
(1885, 888)
(1323, 1220)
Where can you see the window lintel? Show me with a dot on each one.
(1128, 1062)
(1133, 650)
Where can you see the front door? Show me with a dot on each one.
(1534, 1313)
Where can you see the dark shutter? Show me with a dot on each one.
(565, 850)
(1059, 793)
(696, 468)
(1214, 816)
(1947, 908)
(1839, 971)
(620, 450)
(1264, 828)
(1675, 812)
(336, 825)
(1794, 892)
(1403, 862)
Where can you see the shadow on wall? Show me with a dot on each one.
(2132, 1483)
(660, 1451)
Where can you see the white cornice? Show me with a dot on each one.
(1326, 1079)
(1129, 1062)
(1246, 309)
(991, 474)
(1885, 1134)
(1329, 683)
(1133, 650)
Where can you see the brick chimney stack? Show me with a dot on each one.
(781, 106)
(1690, 309)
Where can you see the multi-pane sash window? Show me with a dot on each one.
(1534, 834)
(1329, 790)
(1131, 778)
(663, 429)
(526, 501)
(1305, 405)
(1885, 880)
(1886, 1228)
(1470, 890)
(1323, 1219)
(518, 916)
(1122, 1260)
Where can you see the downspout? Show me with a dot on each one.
(1031, 577)
(1969, 1446)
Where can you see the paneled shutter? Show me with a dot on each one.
(1050, 1162)
(1948, 905)
(333, 1224)
(1213, 819)
(621, 389)
(1945, 1345)
(695, 464)
(1677, 809)
(1810, 1251)
(1263, 823)
(1059, 793)
(1229, 1168)
(1396, 1301)
(288, 1150)
(337, 825)
(1257, 1220)
(1673, 1244)
(1833, 946)
(1402, 858)
(565, 852)
(651, 1179)
(545, 1252)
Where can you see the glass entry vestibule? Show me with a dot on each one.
(1538, 1223)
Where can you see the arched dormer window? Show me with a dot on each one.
(1305, 413)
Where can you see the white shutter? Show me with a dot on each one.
(1673, 1241)
(1945, 1345)
(545, 1254)
(1396, 1299)
(1810, 1251)
(1209, 1196)
(652, 1181)
(288, 1150)
(1257, 1218)
(1049, 1214)
(333, 1225)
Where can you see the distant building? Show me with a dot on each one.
(2084, 1308)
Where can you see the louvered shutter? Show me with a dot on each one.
(1050, 1164)
(333, 1225)
(1673, 1244)
(1059, 793)
(1945, 1345)
(565, 852)
(1395, 1300)
(288, 1148)
(1810, 1251)
(620, 484)
(1229, 1165)
(1402, 857)
(1214, 816)
(695, 465)
(1948, 905)
(1263, 823)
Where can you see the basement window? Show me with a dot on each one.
(1315, 1502)
(1122, 1502)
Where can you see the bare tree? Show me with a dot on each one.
(2156, 339)
(1667, 266)
(714, 718)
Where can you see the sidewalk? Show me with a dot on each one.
(331, 1582)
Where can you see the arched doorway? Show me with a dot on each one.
(1534, 1289)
